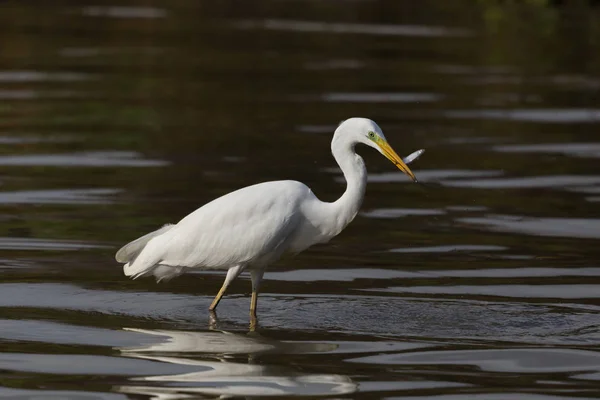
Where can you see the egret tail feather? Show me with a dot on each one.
(131, 250)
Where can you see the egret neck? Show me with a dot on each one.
(352, 165)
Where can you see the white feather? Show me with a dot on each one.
(128, 252)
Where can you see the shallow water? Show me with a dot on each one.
(481, 282)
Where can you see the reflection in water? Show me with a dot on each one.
(39, 394)
(213, 369)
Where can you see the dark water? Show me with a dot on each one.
(481, 283)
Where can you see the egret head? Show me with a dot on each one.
(366, 131)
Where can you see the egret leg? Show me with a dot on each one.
(256, 275)
(232, 273)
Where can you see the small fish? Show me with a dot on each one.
(413, 156)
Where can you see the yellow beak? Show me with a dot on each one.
(391, 155)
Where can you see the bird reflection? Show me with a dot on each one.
(223, 363)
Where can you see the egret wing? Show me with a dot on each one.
(250, 225)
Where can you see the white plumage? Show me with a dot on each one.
(252, 227)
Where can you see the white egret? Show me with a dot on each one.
(250, 228)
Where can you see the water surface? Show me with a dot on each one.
(481, 282)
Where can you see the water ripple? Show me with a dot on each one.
(583, 291)
(124, 12)
(30, 94)
(556, 116)
(401, 212)
(449, 248)
(28, 394)
(502, 360)
(15, 243)
(432, 175)
(584, 228)
(569, 149)
(351, 28)
(349, 97)
(23, 76)
(352, 274)
(58, 196)
(553, 181)
(83, 159)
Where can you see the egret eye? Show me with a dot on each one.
(371, 135)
